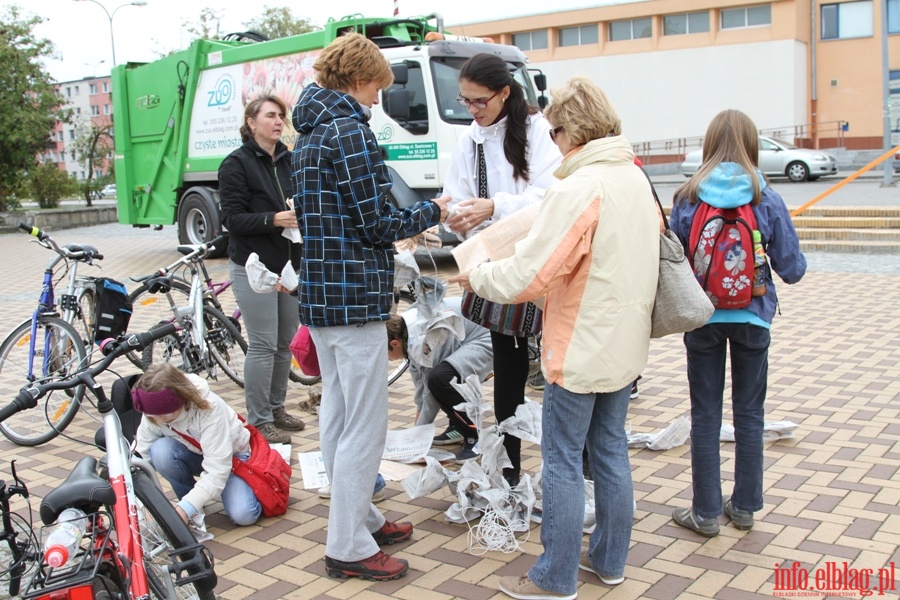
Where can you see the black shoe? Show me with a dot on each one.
(511, 476)
(634, 390)
(451, 436)
(467, 452)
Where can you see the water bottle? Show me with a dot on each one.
(64, 537)
(759, 265)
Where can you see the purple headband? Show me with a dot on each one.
(163, 402)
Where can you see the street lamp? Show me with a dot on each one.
(95, 65)
(110, 17)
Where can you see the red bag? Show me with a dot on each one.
(721, 246)
(304, 351)
(266, 472)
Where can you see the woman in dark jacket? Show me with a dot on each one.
(255, 188)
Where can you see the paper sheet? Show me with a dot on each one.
(312, 470)
(497, 241)
(408, 445)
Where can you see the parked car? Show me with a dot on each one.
(108, 191)
(779, 159)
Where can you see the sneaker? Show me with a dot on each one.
(742, 519)
(451, 436)
(287, 421)
(585, 565)
(536, 382)
(522, 588)
(377, 496)
(467, 452)
(686, 517)
(274, 435)
(379, 567)
(634, 390)
(393, 533)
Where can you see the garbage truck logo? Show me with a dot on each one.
(222, 93)
(386, 133)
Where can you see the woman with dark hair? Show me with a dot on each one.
(502, 164)
(254, 188)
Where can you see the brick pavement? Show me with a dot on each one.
(832, 493)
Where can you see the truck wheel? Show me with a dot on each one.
(197, 223)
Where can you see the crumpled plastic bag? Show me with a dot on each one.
(406, 269)
(676, 434)
(263, 281)
(525, 424)
(427, 480)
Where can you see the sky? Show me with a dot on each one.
(80, 29)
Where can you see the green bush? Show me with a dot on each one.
(49, 185)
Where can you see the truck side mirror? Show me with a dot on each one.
(401, 73)
(397, 105)
(542, 101)
(540, 81)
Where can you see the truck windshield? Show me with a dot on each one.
(446, 87)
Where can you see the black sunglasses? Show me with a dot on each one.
(554, 133)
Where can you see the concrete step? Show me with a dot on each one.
(849, 222)
(850, 211)
(835, 233)
(851, 246)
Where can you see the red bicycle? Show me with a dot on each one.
(135, 546)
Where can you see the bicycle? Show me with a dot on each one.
(154, 311)
(205, 337)
(52, 343)
(136, 545)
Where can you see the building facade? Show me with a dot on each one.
(810, 69)
(90, 101)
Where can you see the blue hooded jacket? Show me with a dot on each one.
(346, 219)
(730, 186)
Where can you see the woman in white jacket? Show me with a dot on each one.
(593, 252)
(176, 405)
(501, 164)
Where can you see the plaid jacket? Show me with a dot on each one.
(347, 222)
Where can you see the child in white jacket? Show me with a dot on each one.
(177, 406)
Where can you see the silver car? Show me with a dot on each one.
(779, 159)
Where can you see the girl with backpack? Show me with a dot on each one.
(727, 182)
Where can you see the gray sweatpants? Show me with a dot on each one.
(270, 323)
(353, 420)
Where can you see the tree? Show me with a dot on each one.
(93, 146)
(30, 105)
(49, 185)
(208, 25)
(279, 22)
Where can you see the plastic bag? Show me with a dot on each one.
(304, 351)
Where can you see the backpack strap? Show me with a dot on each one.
(656, 197)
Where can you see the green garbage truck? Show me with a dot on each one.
(177, 118)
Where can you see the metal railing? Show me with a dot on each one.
(674, 150)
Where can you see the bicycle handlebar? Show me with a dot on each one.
(111, 348)
(199, 251)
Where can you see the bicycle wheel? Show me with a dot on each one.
(166, 538)
(87, 317)
(171, 348)
(225, 343)
(58, 352)
(149, 309)
(402, 301)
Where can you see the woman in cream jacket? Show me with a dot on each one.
(593, 253)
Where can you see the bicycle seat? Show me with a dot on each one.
(83, 252)
(155, 282)
(83, 488)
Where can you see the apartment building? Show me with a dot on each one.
(811, 68)
(91, 103)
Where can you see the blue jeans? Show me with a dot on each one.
(706, 349)
(179, 465)
(570, 422)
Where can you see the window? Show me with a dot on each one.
(848, 20)
(105, 87)
(76, 90)
(78, 110)
(68, 92)
(750, 16)
(531, 40)
(93, 89)
(106, 109)
(631, 29)
(686, 23)
(95, 110)
(71, 134)
(577, 36)
(417, 123)
(59, 135)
